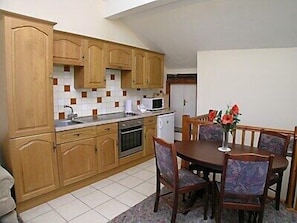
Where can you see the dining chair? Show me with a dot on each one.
(276, 143)
(177, 181)
(208, 132)
(244, 184)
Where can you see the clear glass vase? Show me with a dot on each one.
(225, 140)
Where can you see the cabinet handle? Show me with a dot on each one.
(107, 129)
(77, 134)
(54, 145)
(96, 149)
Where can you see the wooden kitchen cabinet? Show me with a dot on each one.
(26, 95)
(68, 49)
(34, 165)
(77, 160)
(107, 146)
(118, 56)
(26, 75)
(147, 70)
(150, 130)
(154, 70)
(75, 134)
(135, 78)
(92, 74)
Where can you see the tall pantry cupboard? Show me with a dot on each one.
(27, 128)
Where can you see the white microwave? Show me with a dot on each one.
(153, 104)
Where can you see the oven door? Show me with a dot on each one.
(130, 141)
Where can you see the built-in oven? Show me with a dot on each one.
(130, 137)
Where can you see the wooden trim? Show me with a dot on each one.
(293, 176)
(171, 81)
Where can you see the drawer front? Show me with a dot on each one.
(106, 129)
(75, 134)
(150, 120)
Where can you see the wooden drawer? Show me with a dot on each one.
(150, 120)
(75, 134)
(106, 129)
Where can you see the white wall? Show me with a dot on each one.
(81, 17)
(263, 82)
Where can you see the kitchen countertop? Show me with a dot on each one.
(87, 121)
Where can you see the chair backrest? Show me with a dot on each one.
(211, 132)
(274, 142)
(246, 174)
(166, 160)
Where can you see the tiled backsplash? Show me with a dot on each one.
(93, 101)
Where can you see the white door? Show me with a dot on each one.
(183, 101)
(190, 97)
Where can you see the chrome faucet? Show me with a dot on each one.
(72, 115)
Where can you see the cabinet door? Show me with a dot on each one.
(107, 146)
(138, 69)
(34, 165)
(135, 78)
(92, 75)
(29, 53)
(77, 160)
(154, 70)
(118, 56)
(67, 49)
(149, 132)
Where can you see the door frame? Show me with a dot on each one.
(180, 79)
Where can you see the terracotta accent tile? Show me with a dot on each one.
(144, 96)
(61, 115)
(66, 88)
(124, 93)
(66, 68)
(138, 102)
(108, 93)
(137, 89)
(73, 101)
(55, 81)
(94, 112)
(112, 77)
(99, 99)
(94, 89)
(84, 94)
(116, 104)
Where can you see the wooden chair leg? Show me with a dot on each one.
(174, 208)
(157, 195)
(206, 194)
(278, 192)
(260, 216)
(213, 197)
(241, 216)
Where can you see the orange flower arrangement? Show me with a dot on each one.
(228, 120)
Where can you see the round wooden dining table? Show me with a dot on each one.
(206, 154)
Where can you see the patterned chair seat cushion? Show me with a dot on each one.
(187, 178)
(237, 199)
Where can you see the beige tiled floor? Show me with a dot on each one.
(99, 202)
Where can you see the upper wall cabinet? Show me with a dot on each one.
(154, 70)
(68, 49)
(147, 70)
(92, 74)
(118, 56)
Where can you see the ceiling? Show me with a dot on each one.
(181, 28)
